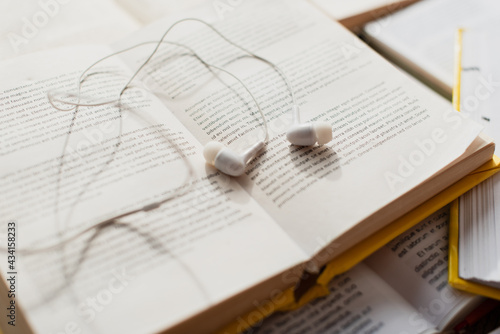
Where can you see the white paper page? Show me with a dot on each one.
(415, 264)
(359, 302)
(343, 9)
(192, 252)
(424, 33)
(478, 233)
(495, 274)
(380, 117)
(32, 25)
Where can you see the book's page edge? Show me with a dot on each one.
(459, 312)
(453, 279)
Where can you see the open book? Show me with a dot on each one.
(402, 288)
(219, 245)
(420, 38)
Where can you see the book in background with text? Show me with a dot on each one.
(402, 288)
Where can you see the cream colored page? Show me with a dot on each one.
(151, 270)
(31, 25)
(389, 133)
(415, 264)
(359, 302)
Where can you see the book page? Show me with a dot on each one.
(389, 133)
(32, 25)
(359, 302)
(204, 244)
(424, 33)
(415, 264)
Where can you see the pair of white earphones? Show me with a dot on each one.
(215, 153)
(301, 134)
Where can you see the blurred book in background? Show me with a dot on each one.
(420, 38)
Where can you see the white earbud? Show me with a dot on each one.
(308, 134)
(227, 161)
